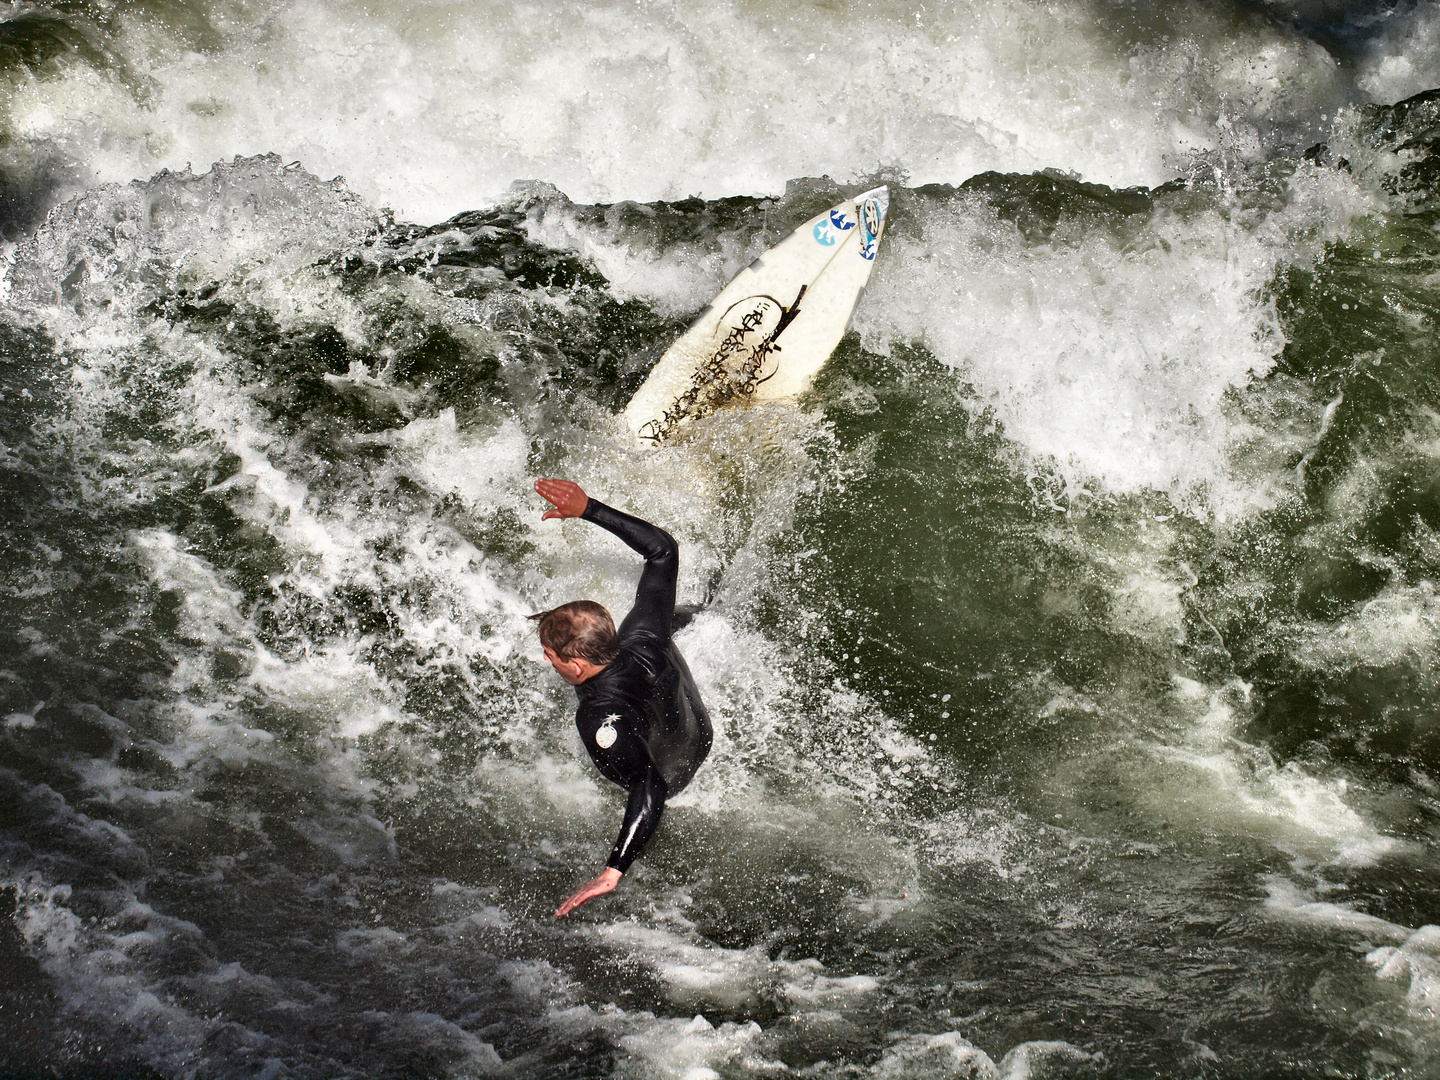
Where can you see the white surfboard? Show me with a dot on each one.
(773, 327)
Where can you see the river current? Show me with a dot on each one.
(1073, 645)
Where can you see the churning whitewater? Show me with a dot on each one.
(1072, 645)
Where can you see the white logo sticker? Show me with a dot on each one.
(606, 735)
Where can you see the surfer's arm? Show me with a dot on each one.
(655, 595)
(599, 885)
(642, 815)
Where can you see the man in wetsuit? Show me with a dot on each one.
(640, 714)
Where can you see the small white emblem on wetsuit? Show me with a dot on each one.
(605, 735)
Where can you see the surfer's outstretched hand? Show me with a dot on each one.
(608, 879)
(570, 501)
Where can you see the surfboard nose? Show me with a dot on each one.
(880, 194)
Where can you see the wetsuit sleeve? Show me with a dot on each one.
(642, 814)
(655, 595)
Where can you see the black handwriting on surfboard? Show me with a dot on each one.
(735, 369)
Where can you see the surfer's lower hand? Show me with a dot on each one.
(570, 501)
(608, 879)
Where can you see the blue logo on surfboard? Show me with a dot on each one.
(829, 229)
(871, 215)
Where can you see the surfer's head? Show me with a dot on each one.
(578, 638)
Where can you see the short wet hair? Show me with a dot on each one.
(581, 629)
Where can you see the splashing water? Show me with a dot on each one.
(1071, 644)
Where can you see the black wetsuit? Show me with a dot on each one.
(646, 695)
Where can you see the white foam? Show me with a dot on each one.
(699, 973)
(671, 1048)
(373, 939)
(426, 1030)
(100, 969)
(121, 970)
(431, 108)
(1230, 781)
(485, 470)
(1403, 59)
(1400, 626)
(209, 609)
(1285, 899)
(1416, 961)
(762, 722)
(1110, 361)
(950, 1054)
(23, 720)
(1147, 600)
(967, 835)
(561, 783)
(1409, 957)
(691, 1049)
(680, 279)
(118, 247)
(694, 973)
(1049, 1057)
(333, 681)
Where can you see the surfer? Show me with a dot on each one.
(640, 713)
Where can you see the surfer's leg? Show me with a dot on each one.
(683, 616)
(685, 613)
